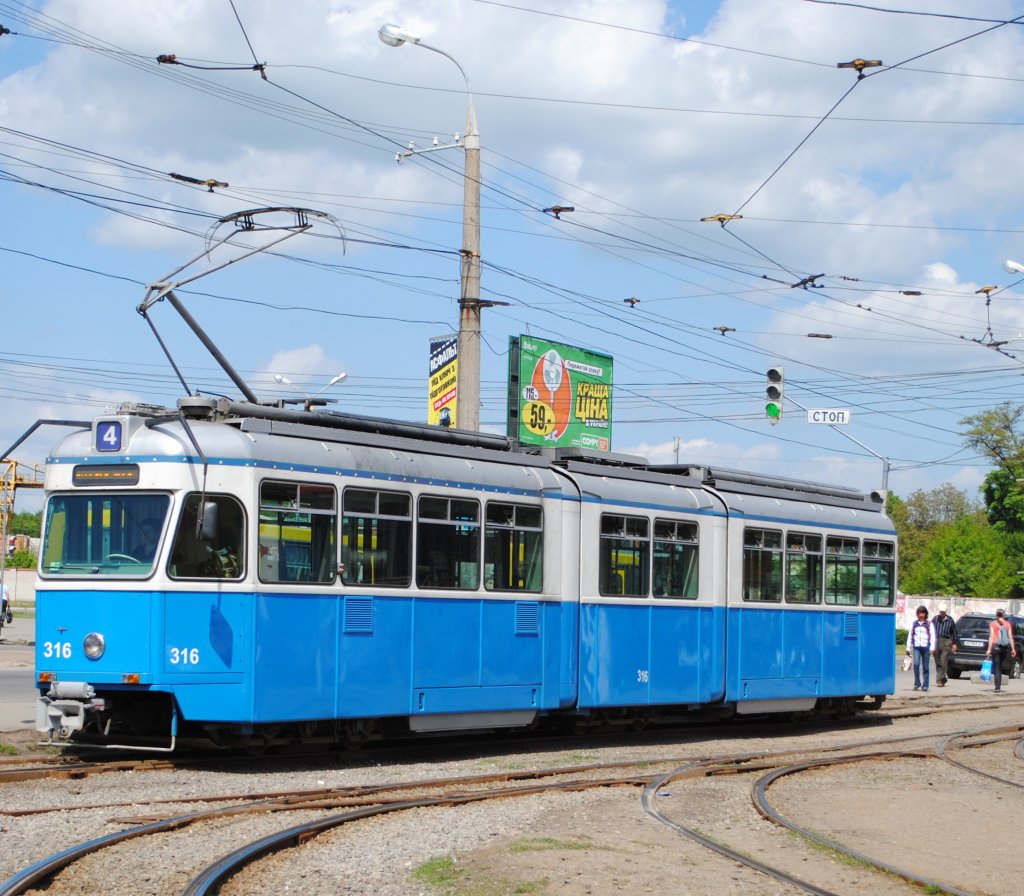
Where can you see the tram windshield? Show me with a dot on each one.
(103, 534)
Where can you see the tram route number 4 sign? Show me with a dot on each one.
(831, 416)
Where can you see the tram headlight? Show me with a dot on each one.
(94, 645)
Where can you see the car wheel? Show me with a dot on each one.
(1014, 667)
(952, 672)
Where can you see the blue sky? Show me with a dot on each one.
(646, 116)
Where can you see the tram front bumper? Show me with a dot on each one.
(65, 708)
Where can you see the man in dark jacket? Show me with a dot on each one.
(945, 644)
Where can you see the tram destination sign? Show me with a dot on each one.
(831, 416)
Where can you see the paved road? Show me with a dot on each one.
(17, 695)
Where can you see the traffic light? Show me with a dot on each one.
(773, 395)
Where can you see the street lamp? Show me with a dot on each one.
(1013, 267)
(469, 275)
(311, 400)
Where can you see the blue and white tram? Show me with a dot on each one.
(242, 573)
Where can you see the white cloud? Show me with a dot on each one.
(666, 150)
(309, 362)
(705, 452)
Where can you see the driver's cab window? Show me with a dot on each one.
(209, 545)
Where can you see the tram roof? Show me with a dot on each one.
(239, 429)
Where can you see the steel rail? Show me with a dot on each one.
(38, 872)
(715, 767)
(357, 790)
(649, 802)
(768, 811)
(158, 764)
(63, 766)
(991, 735)
(325, 798)
(211, 878)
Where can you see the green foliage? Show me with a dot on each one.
(26, 524)
(448, 879)
(1004, 500)
(919, 520)
(964, 557)
(944, 504)
(436, 872)
(901, 637)
(948, 545)
(542, 844)
(998, 433)
(22, 560)
(8, 750)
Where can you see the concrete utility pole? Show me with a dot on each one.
(469, 298)
(468, 412)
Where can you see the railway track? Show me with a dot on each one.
(75, 766)
(944, 744)
(329, 808)
(359, 802)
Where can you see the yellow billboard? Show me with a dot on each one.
(443, 385)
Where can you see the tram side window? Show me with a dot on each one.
(878, 574)
(625, 556)
(297, 521)
(675, 559)
(842, 571)
(223, 558)
(762, 565)
(376, 538)
(448, 543)
(513, 547)
(804, 568)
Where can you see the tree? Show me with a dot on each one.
(918, 520)
(945, 504)
(998, 433)
(1004, 500)
(21, 560)
(964, 557)
(26, 524)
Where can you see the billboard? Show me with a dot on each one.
(560, 396)
(443, 383)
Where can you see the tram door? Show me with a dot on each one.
(651, 630)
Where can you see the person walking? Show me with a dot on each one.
(1000, 640)
(922, 642)
(945, 644)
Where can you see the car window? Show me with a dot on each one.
(973, 626)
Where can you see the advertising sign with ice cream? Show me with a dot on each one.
(560, 395)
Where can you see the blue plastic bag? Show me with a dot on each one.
(986, 670)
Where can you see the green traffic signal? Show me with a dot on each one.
(773, 409)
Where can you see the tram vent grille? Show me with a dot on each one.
(527, 618)
(358, 615)
(852, 625)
